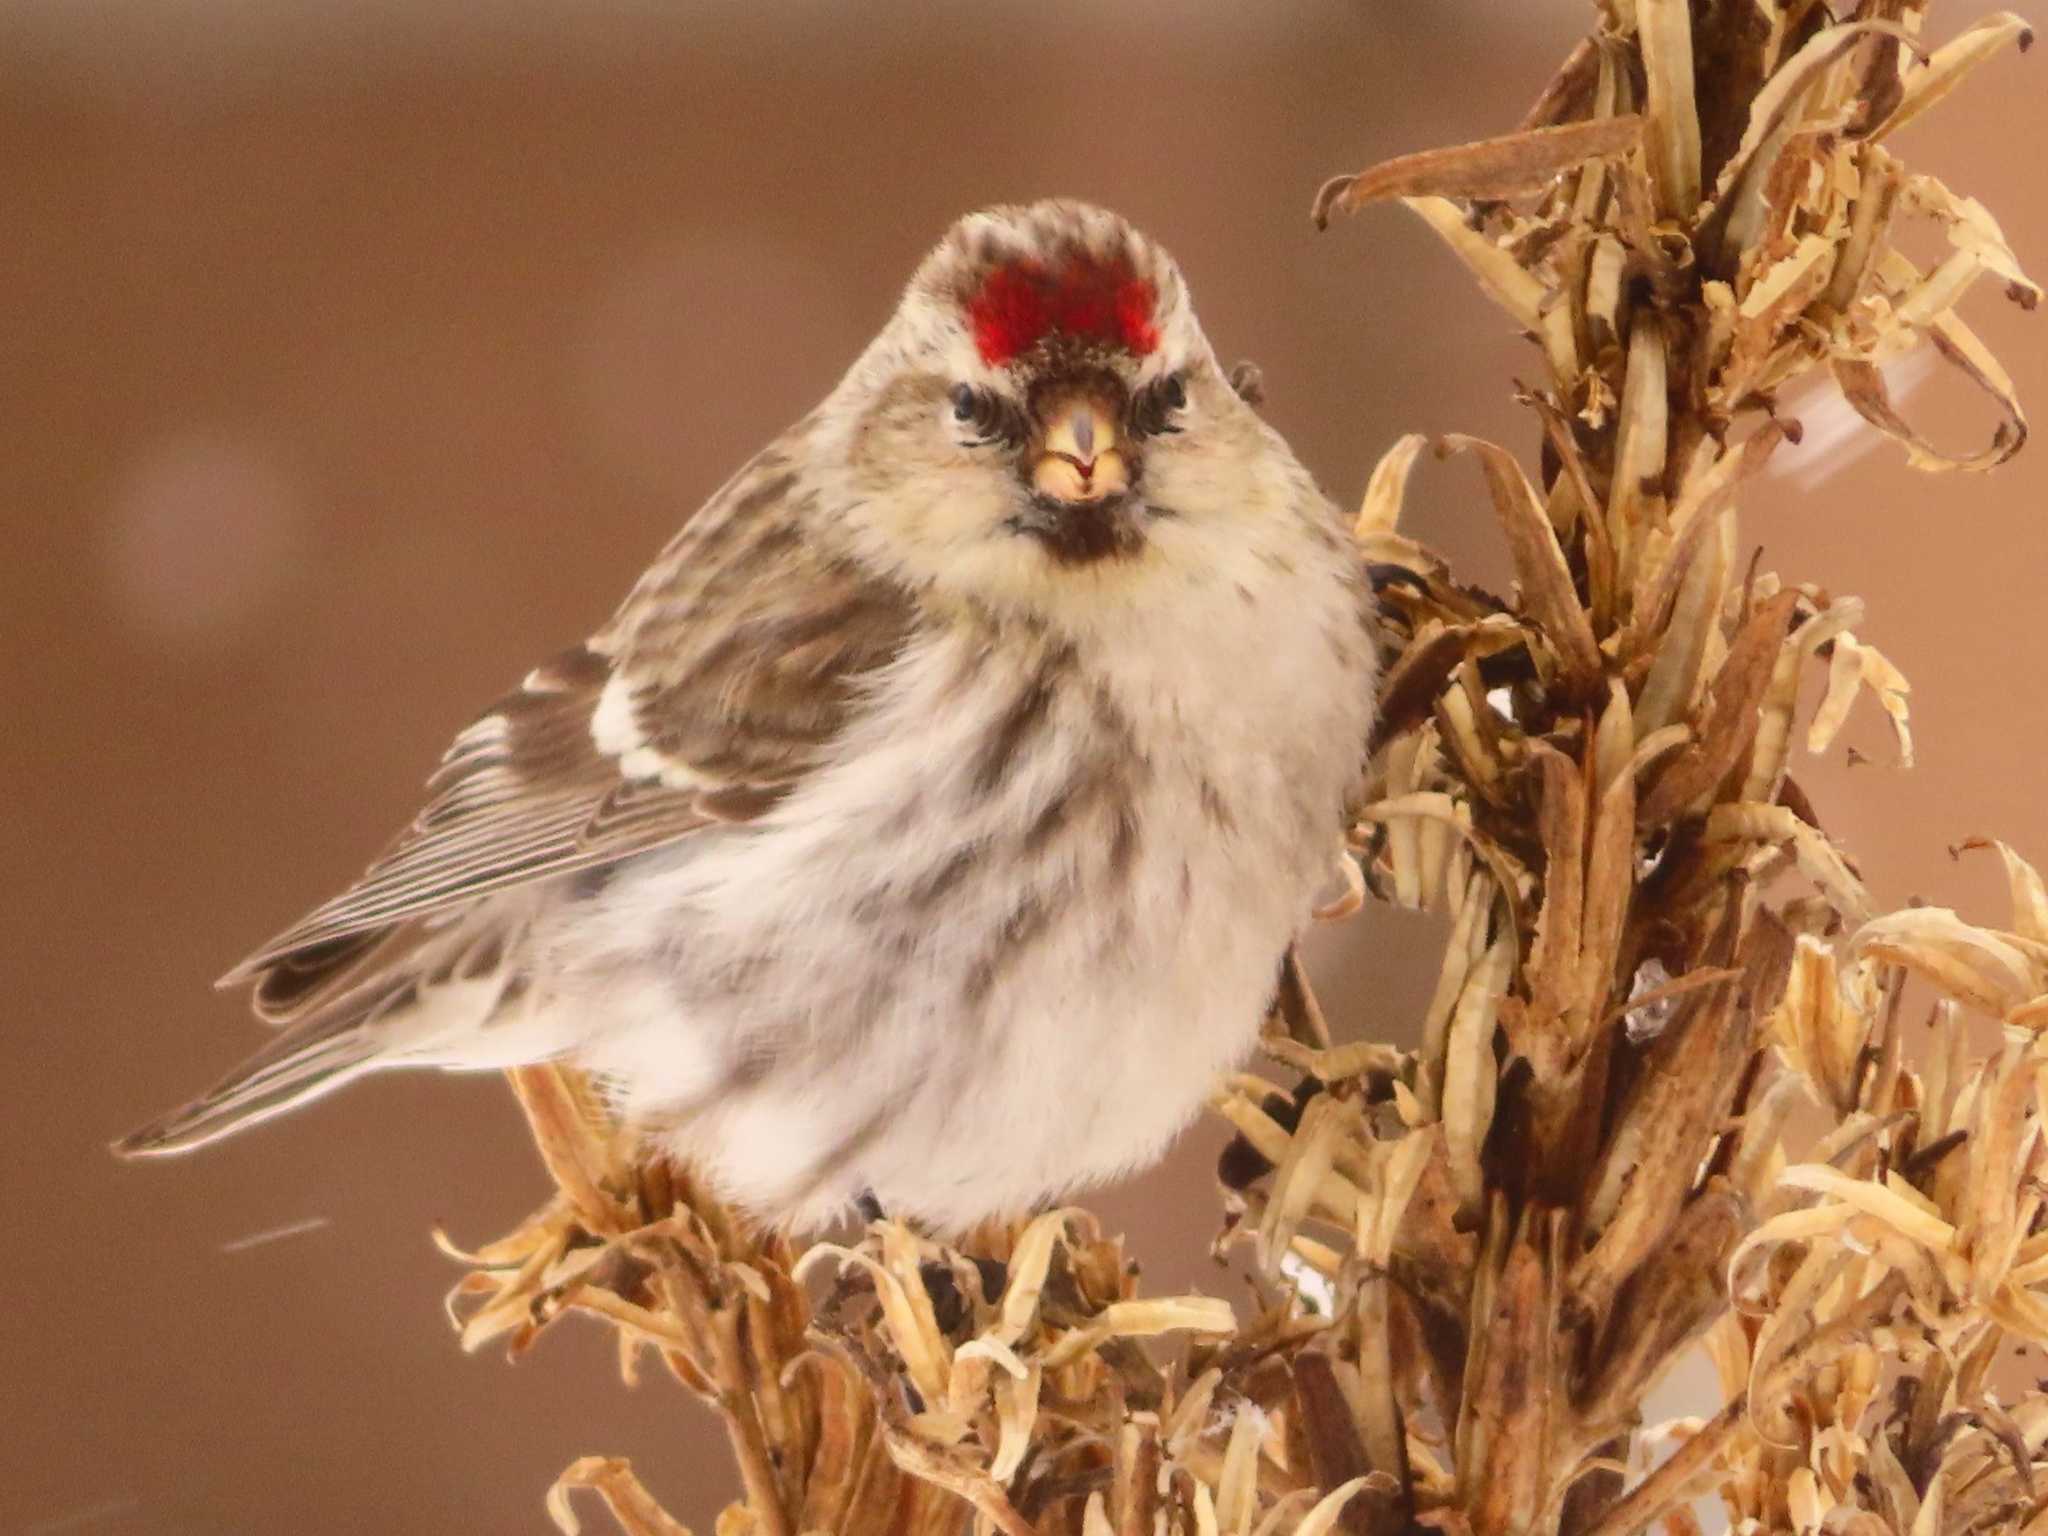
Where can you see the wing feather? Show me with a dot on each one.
(717, 686)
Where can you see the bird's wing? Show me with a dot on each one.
(714, 689)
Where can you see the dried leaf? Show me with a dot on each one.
(1818, 858)
(958, 1475)
(1237, 1486)
(1947, 66)
(1666, 1304)
(1469, 1072)
(1863, 386)
(1380, 511)
(908, 1309)
(1322, 1519)
(1677, 1107)
(1777, 111)
(1973, 965)
(1311, 1153)
(1546, 581)
(1772, 749)
(1490, 168)
(2029, 894)
(1665, 31)
(1725, 735)
(1671, 690)
(1552, 965)
(1504, 1433)
(612, 1478)
(1888, 1206)
(1642, 439)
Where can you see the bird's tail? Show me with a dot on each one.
(446, 998)
(302, 1063)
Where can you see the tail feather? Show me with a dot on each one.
(301, 1064)
(425, 998)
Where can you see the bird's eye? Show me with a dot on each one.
(1155, 409)
(985, 413)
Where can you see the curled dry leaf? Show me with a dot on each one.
(612, 1479)
(1504, 167)
(1852, 668)
(1380, 511)
(1863, 386)
(1952, 62)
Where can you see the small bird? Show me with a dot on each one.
(932, 817)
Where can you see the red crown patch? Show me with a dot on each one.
(1021, 304)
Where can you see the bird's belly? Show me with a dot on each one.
(1000, 948)
(956, 1027)
(1097, 1048)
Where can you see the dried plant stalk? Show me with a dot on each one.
(1662, 1101)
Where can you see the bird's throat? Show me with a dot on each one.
(1083, 533)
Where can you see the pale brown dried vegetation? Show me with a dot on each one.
(1664, 1100)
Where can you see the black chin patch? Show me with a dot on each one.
(1083, 533)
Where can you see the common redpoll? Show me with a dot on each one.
(932, 817)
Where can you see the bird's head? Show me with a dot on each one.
(1043, 416)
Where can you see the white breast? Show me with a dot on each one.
(1004, 943)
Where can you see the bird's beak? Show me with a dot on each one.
(1081, 455)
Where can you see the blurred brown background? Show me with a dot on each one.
(355, 353)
